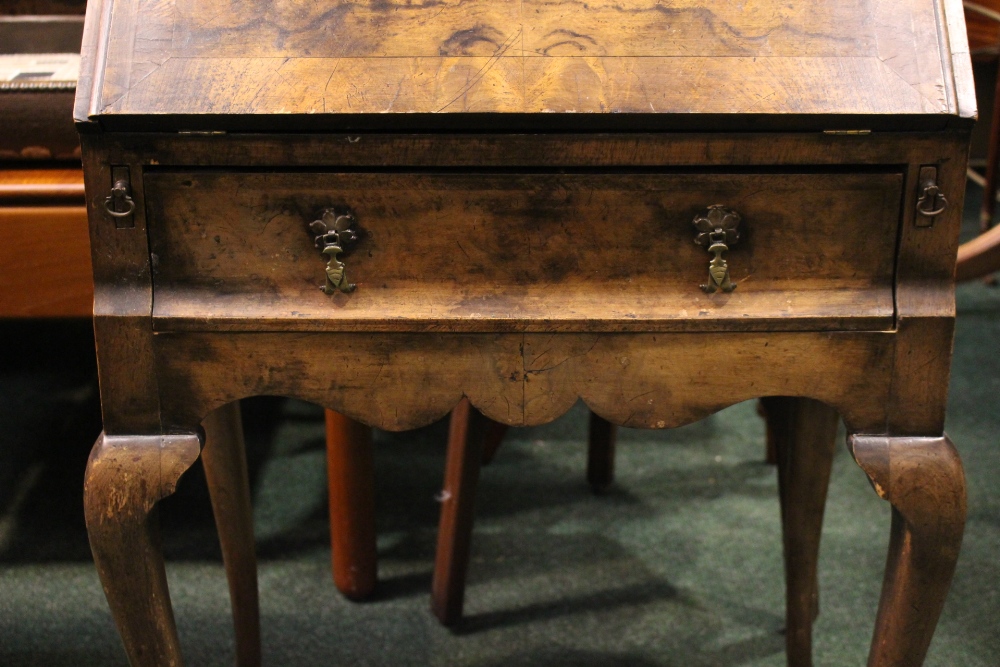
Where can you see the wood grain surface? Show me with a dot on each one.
(527, 56)
(517, 252)
(402, 381)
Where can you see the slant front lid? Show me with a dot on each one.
(403, 63)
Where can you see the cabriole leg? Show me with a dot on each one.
(923, 480)
(126, 477)
(803, 432)
(225, 462)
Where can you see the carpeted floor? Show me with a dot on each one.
(679, 564)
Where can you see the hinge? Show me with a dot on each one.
(119, 204)
(849, 133)
(930, 202)
(201, 133)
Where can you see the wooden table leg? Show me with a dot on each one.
(923, 480)
(600, 449)
(979, 257)
(225, 462)
(992, 163)
(770, 450)
(126, 477)
(492, 439)
(804, 434)
(475, 438)
(351, 475)
(458, 506)
(601, 453)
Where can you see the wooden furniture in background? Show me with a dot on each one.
(800, 435)
(45, 268)
(351, 478)
(521, 210)
(981, 256)
(39, 63)
(47, 7)
(601, 438)
(350, 473)
(472, 441)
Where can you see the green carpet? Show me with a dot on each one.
(679, 564)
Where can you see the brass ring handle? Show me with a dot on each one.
(931, 202)
(119, 194)
(109, 207)
(335, 235)
(717, 229)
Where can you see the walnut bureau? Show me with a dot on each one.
(662, 207)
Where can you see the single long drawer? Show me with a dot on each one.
(522, 251)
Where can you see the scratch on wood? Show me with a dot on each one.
(524, 381)
(399, 87)
(560, 363)
(133, 84)
(494, 59)
(645, 393)
(326, 87)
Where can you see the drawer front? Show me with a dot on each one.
(523, 252)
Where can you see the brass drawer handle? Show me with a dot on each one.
(334, 235)
(718, 228)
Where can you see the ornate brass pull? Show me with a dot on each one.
(333, 237)
(718, 228)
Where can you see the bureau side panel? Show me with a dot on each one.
(925, 294)
(123, 301)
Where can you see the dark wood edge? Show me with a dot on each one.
(730, 325)
(525, 122)
(416, 150)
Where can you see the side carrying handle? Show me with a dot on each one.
(119, 204)
(717, 229)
